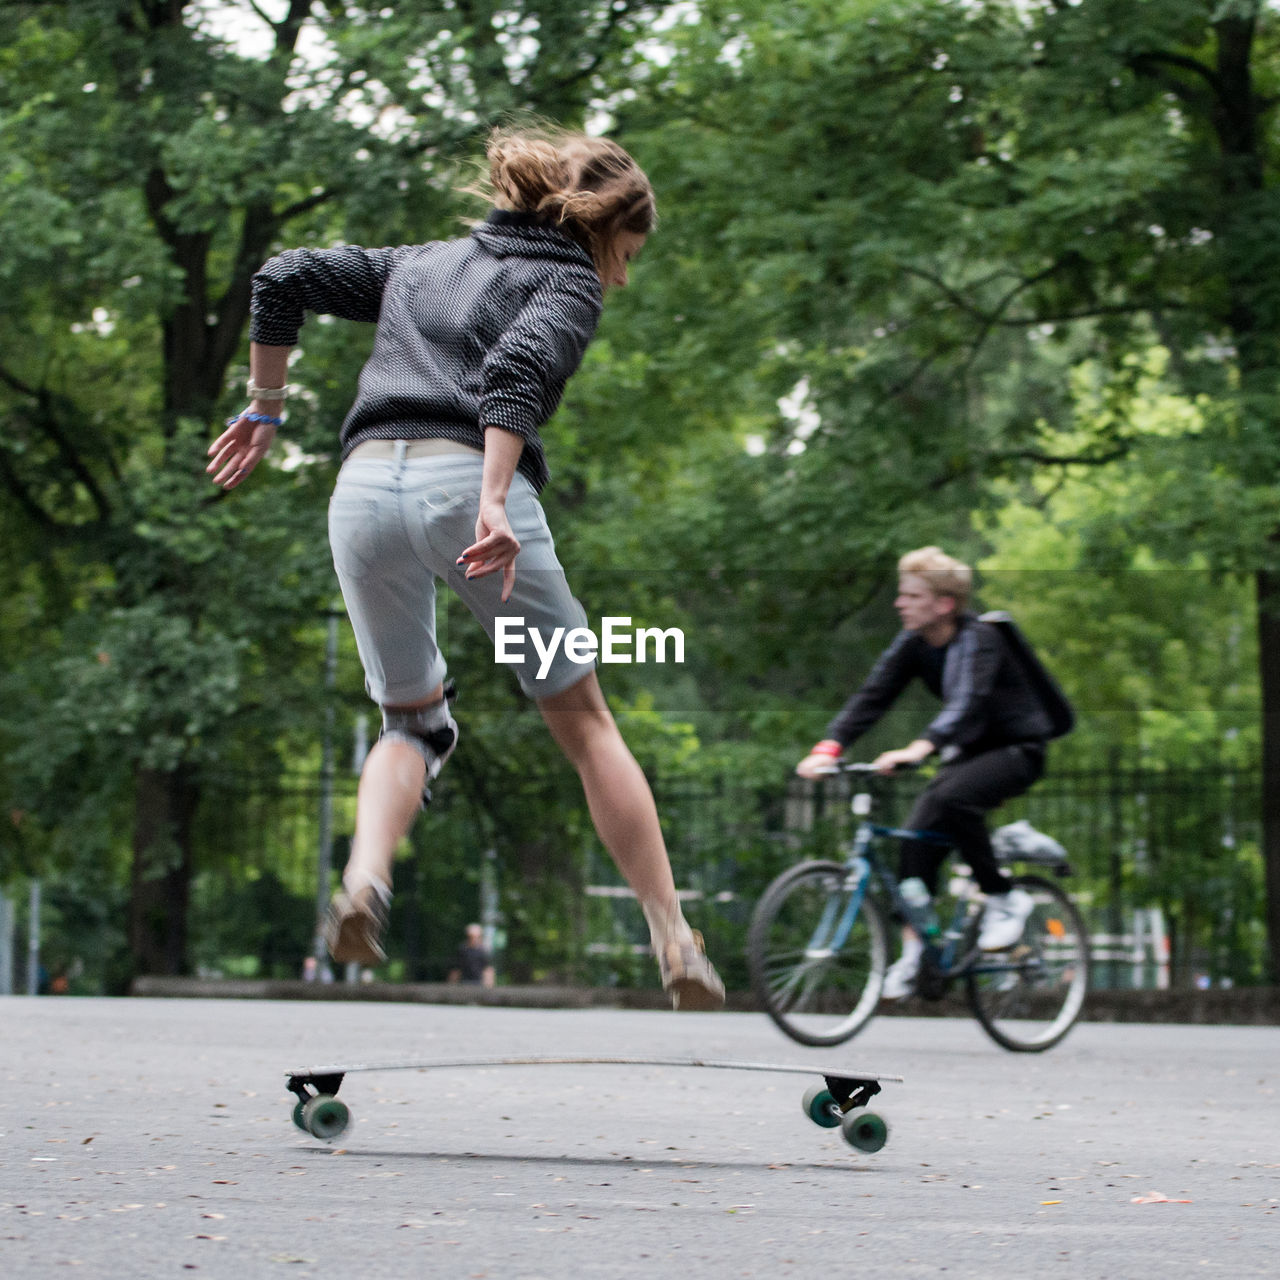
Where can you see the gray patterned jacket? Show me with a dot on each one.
(476, 332)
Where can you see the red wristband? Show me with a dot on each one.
(827, 747)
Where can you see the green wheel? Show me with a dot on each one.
(820, 1106)
(297, 1114)
(325, 1117)
(864, 1130)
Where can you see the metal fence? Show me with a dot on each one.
(1185, 843)
(1167, 862)
(1169, 872)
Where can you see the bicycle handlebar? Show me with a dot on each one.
(866, 767)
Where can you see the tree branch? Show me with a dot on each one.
(1064, 460)
(17, 384)
(46, 419)
(311, 202)
(994, 317)
(1141, 62)
(1030, 455)
(35, 512)
(289, 27)
(1112, 309)
(70, 455)
(956, 299)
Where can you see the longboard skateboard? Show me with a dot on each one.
(837, 1102)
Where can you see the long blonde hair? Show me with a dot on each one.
(588, 187)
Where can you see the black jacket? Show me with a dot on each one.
(472, 333)
(988, 698)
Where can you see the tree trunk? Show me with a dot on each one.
(1238, 122)
(1268, 593)
(164, 809)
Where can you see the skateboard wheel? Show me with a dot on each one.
(821, 1107)
(324, 1117)
(297, 1114)
(864, 1130)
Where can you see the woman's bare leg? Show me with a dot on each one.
(618, 794)
(624, 813)
(388, 801)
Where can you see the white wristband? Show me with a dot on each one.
(267, 393)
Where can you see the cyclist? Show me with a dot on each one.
(999, 710)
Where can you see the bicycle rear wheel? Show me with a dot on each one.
(816, 952)
(1029, 997)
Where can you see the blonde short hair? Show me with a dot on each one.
(943, 574)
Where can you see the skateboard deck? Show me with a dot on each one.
(834, 1103)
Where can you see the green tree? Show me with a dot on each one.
(926, 214)
(156, 153)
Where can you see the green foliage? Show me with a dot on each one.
(255, 929)
(996, 275)
(1152, 641)
(154, 156)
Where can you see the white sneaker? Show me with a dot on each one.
(900, 977)
(1004, 919)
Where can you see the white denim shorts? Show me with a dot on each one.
(399, 523)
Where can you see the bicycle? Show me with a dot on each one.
(818, 944)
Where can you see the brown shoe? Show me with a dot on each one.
(355, 925)
(689, 977)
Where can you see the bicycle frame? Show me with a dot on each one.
(864, 863)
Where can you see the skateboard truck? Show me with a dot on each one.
(319, 1084)
(851, 1091)
(317, 1111)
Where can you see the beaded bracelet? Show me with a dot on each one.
(255, 417)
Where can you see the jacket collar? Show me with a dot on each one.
(505, 233)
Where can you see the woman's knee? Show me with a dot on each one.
(579, 718)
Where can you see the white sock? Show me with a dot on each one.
(912, 948)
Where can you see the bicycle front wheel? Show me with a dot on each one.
(816, 951)
(1029, 997)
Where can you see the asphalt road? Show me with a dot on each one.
(153, 1138)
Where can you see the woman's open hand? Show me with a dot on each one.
(495, 547)
(240, 447)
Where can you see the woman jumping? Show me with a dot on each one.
(442, 464)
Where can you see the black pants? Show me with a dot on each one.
(956, 804)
